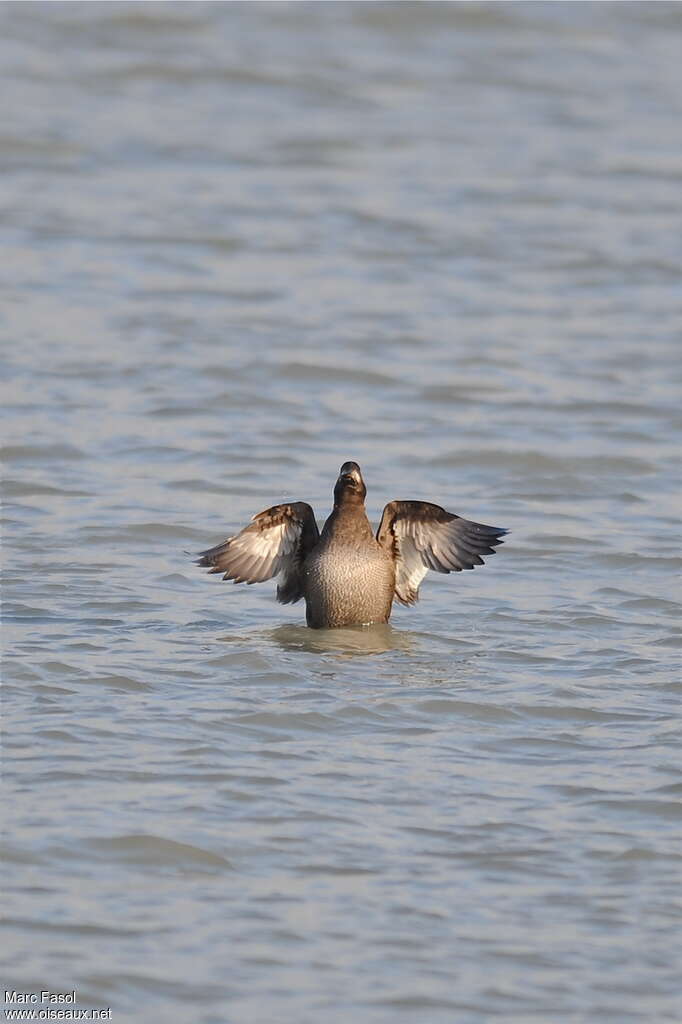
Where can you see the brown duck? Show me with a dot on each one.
(346, 574)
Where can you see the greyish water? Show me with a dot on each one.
(240, 245)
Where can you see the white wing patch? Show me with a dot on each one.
(262, 553)
(409, 571)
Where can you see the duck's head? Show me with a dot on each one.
(350, 486)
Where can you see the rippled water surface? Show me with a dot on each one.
(241, 244)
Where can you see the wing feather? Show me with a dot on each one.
(275, 543)
(422, 536)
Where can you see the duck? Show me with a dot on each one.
(347, 574)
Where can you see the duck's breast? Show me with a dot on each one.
(347, 584)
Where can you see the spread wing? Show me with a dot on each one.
(276, 542)
(422, 536)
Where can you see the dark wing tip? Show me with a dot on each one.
(211, 556)
(474, 540)
(481, 530)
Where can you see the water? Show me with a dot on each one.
(240, 245)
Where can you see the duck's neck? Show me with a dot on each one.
(349, 518)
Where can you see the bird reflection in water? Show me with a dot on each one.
(377, 638)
